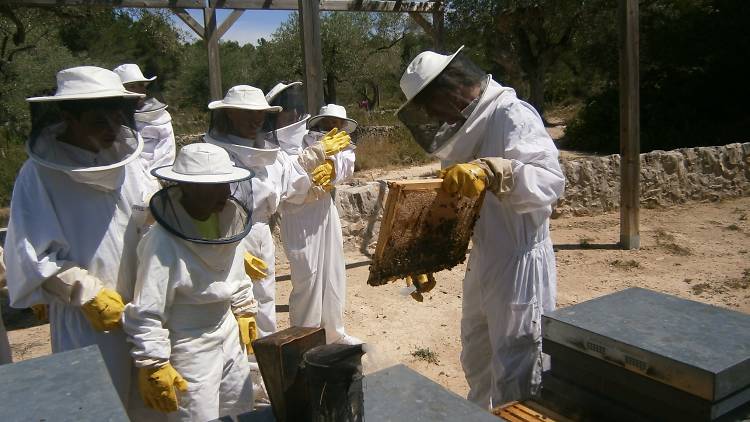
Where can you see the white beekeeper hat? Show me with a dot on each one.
(337, 111)
(244, 97)
(131, 73)
(423, 70)
(87, 83)
(202, 163)
(278, 89)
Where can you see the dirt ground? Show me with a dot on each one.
(696, 251)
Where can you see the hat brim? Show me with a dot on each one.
(273, 94)
(167, 173)
(87, 96)
(145, 79)
(213, 105)
(350, 125)
(429, 80)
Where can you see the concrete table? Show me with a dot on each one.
(68, 386)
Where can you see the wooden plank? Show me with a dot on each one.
(312, 53)
(421, 184)
(228, 22)
(438, 23)
(162, 4)
(424, 23)
(212, 49)
(335, 5)
(386, 224)
(520, 412)
(189, 21)
(629, 125)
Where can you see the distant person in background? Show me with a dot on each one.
(488, 139)
(152, 120)
(77, 213)
(311, 231)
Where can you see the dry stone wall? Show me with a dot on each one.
(592, 186)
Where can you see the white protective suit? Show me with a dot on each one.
(65, 220)
(277, 179)
(510, 277)
(313, 243)
(159, 148)
(182, 311)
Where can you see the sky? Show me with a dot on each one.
(251, 26)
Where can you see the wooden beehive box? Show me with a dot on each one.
(424, 229)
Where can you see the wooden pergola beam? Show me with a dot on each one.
(142, 4)
(423, 23)
(228, 22)
(630, 129)
(334, 5)
(312, 54)
(189, 21)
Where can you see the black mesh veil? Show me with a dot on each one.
(437, 111)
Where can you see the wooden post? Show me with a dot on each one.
(312, 53)
(630, 129)
(438, 23)
(211, 38)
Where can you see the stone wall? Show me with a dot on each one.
(593, 186)
(667, 178)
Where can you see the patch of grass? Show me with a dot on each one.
(668, 242)
(741, 283)
(585, 242)
(425, 354)
(395, 149)
(625, 264)
(701, 288)
(733, 227)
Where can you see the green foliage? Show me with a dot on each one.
(12, 155)
(693, 79)
(396, 149)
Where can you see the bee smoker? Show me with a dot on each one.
(334, 383)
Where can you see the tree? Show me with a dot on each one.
(519, 40)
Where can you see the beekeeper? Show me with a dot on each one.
(311, 231)
(192, 291)
(237, 125)
(78, 209)
(152, 120)
(490, 140)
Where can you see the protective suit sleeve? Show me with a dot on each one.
(499, 173)
(35, 245)
(243, 301)
(538, 180)
(311, 157)
(296, 181)
(145, 317)
(343, 163)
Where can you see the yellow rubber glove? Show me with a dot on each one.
(324, 173)
(40, 312)
(255, 267)
(467, 179)
(248, 331)
(104, 310)
(158, 387)
(335, 141)
(423, 283)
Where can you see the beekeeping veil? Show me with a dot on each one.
(86, 129)
(238, 120)
(441, 92)
(203, 164)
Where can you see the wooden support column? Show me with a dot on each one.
(438, 23)
(630, 129)
(211, 38)
(312, 53)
